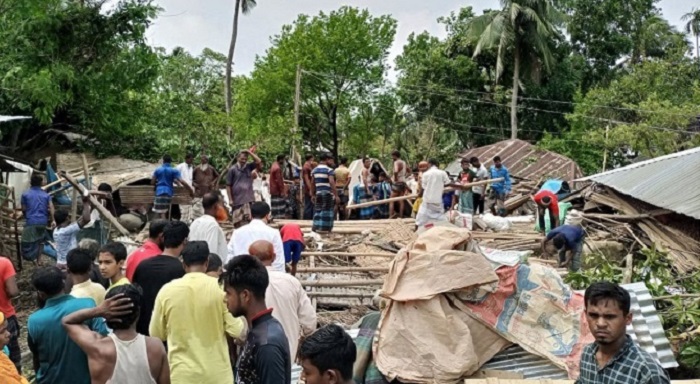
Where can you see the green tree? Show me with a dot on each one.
(524, 29)
(244, 6)
(692, 26)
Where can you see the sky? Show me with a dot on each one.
(195, 25)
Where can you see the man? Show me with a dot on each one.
(65, 234)
(464, 197)
(307, 182)
(9, 291)
(327, 356)
(499, 189)
(191, 316)
(256, 230)
(38, 211)
(92, 247)
(325, 194)
(112, 257)
(152, 274)
(382, 191)
(8, 370)
(151, 248)
(478, 191)
(239, 186)
(433, 183)
(342, 183)
(366, 175)
(203, 177)
(568, 241)
(215, 267)
(547, 201)
(614, 357)
(398, 184)
(125, 356)
(164, 178)
(293, 243)
(79, 263)
(57, 359)
(186, 169)
(265, 358)
(207, 229)
(359, 196)
(278, 193)
(292, 307)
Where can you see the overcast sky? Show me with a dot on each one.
(196, 25)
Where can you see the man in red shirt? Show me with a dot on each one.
(547, 200)
(293, 242)
(278, 194)
(152, 247)
(307, 184)
(9, 290)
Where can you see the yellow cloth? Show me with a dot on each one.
(342, 176)
(190, 314)
(122, 281)
(91, 290)
(8, 371)
(416, 205)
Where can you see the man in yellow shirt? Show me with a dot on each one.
(190, 314)
(79, 263)
(342, 181)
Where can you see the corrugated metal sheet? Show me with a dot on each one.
(524, 161)
(646, 330)
(670, 182)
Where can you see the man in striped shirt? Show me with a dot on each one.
(325, 194)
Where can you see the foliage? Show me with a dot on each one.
(692, 27)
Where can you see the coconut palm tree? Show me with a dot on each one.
(244, 6)
(693, 27)
(523, 29)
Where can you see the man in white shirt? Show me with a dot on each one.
(288, 299)
(433, 183)
(186, 172)
(207, 229)
(257, 229)
(478, 192)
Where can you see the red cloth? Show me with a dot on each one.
(306, 173)
(291, 232)
(553, 205)
(7, 270)
(276, 180)
(146, 251)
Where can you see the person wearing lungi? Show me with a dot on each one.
(500, 189)
(278, 192)
(325, 194)
(239, 186)
(164, 178)
(38, 210)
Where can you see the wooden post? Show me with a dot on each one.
(74, 205)
(88, 183)
(17, 241)
(95, 203)
(314, 302)
(605, 152)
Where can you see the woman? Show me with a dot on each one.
(8, 371)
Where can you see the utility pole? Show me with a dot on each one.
(605, 153)
(297, 101)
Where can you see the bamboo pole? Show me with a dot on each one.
(88, 183)
(308, 223)
(342, 269)
(95, 203)
(350, 295)
(352, 254)
(312, 263)
(341, 283)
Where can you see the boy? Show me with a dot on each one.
(65, 233)
(293, 241)
(79, 266)
(327, 356)
(215, 266)
(111, 259)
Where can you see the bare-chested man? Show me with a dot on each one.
(124, 356)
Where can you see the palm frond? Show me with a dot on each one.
(486, 29)
(247, 6)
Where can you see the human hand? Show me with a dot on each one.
(115, 306)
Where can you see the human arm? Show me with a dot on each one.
(85, 217)
(278, 246)
(35, 352)
(270, 365)
(331, 181)
(306, 312)
(185, 184)
(154, 181)
(75, 327)
(229, 187)
(9, 277)
(157, 326)
(255, 157)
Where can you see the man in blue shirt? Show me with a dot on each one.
(57, 359)
(500, 189)
(568, 241)
(164, 178)
(37, 209)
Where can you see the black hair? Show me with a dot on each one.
(104, 187)
(396, 153)
(383, 174)
(167, 159)
(547, 200)
(259, 209)
(497, 158)
(132, 292)
(434, 162)
(416, 170)
(308, 157)
(36, 180)
(210, 200)
(189, 155)
(214, 263)
(474, 159)
(330, 348)
(48, 280)
(195, 253)
(79, 261)
(156, 228)
(247, 272)
(175, 233)
(605, 290)
(559, 241)
(281, 157)
(464, 160)
(60, 216)
(325, 156)
(116, 249)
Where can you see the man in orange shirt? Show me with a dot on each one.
(547, 200)
(152, 247)
(8, 291)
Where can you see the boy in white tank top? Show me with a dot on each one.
(124, 356)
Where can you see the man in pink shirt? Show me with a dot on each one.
(293, 241)
(152, 247)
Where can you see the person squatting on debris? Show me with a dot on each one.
(239, 186)
(257, 229)
(547, 201)
(328, 356)
(499, 189)
(125, 356)
(164, 178)
(614, 357)
(325, 194)
(568, 241)
(265, 357)
(38, 210)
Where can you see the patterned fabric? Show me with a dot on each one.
(33, 236)
(278, 205)
(466, 202)
(241, 214)
(360, 196)
(498, 200)
(502, 187)
(365, 370)
(321, 176)
(161, 204)
(629, 365)
(382, 191)
(324, 212)
(293, 202)
(13, 327)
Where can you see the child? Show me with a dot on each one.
(65, 233)
(111, 259)
(79, 266)
(293, 240)
(215, 267)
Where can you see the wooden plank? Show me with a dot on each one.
(342, 283)
(342, 269)
(350, 295)
(96, 204)
(145, 194)
(349, 254)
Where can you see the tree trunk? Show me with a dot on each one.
(229, 64)
(514, 97)
(697, 47)
(334, 129)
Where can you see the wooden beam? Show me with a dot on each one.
(342, 269)
(341, 283)
(96, 204)
(349, 295)
(86, 172)
(349, 254)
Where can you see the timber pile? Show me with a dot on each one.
(144, 194)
